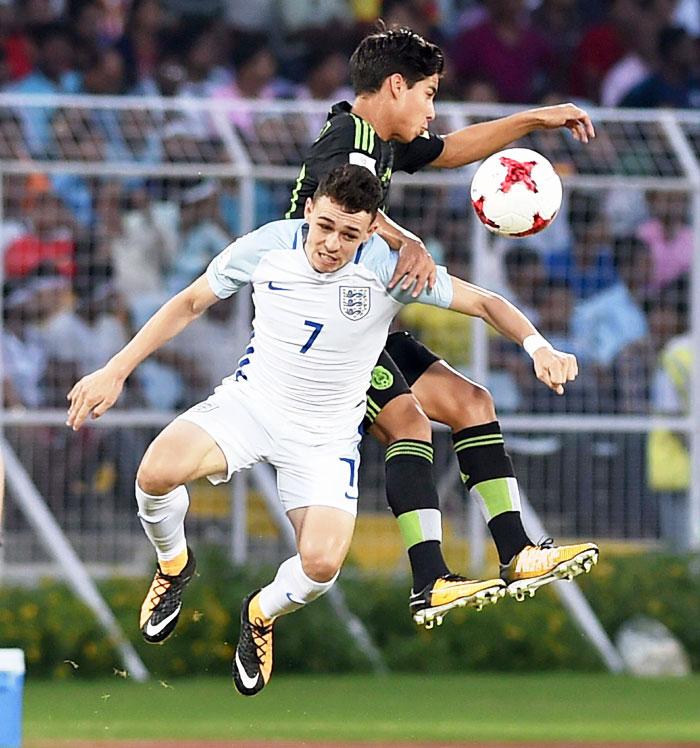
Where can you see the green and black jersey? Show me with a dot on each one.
(347, 138)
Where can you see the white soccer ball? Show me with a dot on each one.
(516, 192)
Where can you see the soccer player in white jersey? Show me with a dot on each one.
(296, 399)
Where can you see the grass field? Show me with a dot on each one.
(536, 708)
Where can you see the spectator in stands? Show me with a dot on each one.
(326, 79)
(632, 373)
(256, 68)
(47, 232)
(603, 45)
(507, 50)
(141, 43)
(555, 305)
(669, 235)
(588, 265)
(23, 356)
(559, 21)
(668, 454)
(54, 72)
(525, 276)
(640, 59)
(15, 52)
(188, 351)
(613, 317)
(201, 235)
(142, 249)
(675, 83)
(85, 337)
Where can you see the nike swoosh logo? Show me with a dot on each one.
(292, 600)
(152, 630)
(272, 287)
(247, 681)
(352, 498)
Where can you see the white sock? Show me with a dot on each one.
(291, 589)
(163, 520)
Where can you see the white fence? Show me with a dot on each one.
(127, 199)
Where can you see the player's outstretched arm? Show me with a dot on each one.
(96, 393)
(481, 140)
(552, 367)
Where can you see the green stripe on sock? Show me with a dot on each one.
(410, 453)
(479, 441)
(420, 525)
(497, 496)
(410, 448)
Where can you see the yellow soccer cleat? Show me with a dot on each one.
(432, 603)
(537, 565)
(252, 663)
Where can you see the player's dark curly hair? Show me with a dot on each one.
(352, 187)
(393, 50)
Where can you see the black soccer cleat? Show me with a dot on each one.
(252, 663)
(161, 608)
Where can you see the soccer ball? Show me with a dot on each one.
(516, 192)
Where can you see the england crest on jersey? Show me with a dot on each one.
(354, 301)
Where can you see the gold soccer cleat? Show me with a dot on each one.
(433, 602)
(537, 565)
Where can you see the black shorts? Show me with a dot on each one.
(400, 364)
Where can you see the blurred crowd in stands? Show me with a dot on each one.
(641, 53)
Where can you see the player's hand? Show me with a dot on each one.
(93, 395)
(570, 116)
(555, 368)
(415, 266)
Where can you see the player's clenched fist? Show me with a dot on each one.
(93, 394)
(555, 368)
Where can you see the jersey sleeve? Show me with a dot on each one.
(233, 268)
(420, 152)
(379, 258)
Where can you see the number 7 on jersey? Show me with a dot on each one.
(316, 329)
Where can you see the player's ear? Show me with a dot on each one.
(396, 84)
(308, 207)
(374, 225)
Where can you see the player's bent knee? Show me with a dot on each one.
(153, 475)
(320, 566)
(403, 418)
(467, 404)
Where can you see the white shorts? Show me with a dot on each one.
(248, 432)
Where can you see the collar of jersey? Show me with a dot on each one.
(341, 107)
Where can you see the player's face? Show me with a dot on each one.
(334, 235)
(415, 109)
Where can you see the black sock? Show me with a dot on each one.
(509, 535)
(413, 499)
(486, 469)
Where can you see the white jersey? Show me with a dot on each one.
(316, 336)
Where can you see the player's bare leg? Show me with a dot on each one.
(486, 470)
(180, 453)
(412, 496)
(323, 538)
